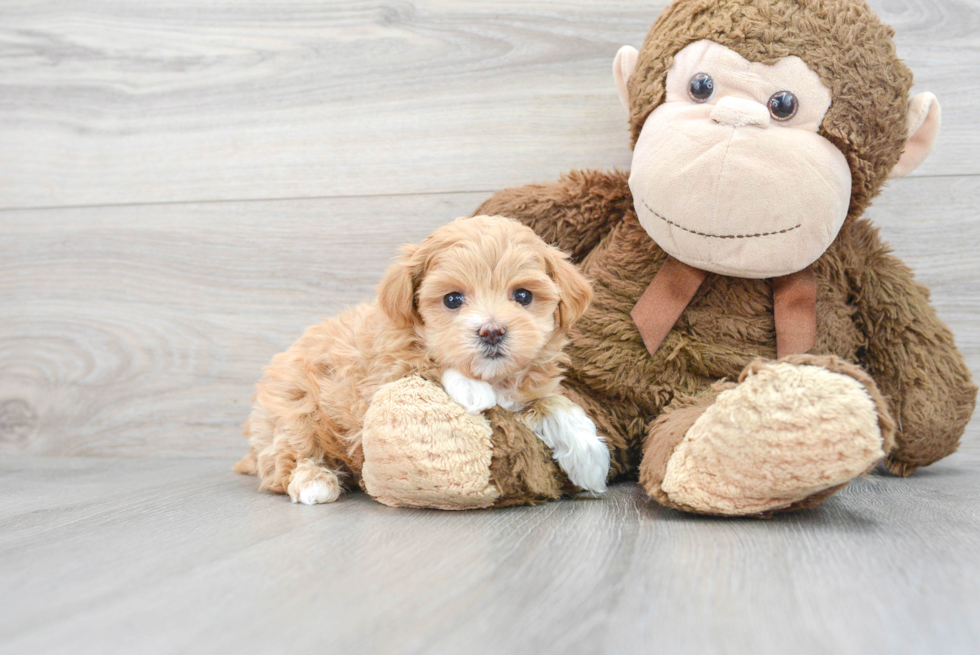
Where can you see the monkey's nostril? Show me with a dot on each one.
(491, 335)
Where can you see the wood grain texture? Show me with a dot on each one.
(124, 102)
(162, 556)
(140, 330)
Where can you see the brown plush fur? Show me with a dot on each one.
(522, 468)
(870, 311)
(309, 407)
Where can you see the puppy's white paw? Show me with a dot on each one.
(579, 451)
(311, 484)
(314, 493)
(474, 395)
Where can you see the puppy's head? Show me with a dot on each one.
(486, 294)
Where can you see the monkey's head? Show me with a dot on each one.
(760, 126)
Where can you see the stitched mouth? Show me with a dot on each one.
(719, 236)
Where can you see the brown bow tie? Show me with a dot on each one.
(794, 305)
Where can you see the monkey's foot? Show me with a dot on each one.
(788, 435)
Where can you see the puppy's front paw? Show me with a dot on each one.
(311, 484)
(474, 395)
(579, 451)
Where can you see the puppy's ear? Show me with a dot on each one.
(396, 293)
(575, 290)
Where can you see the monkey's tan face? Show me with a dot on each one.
(730, 175)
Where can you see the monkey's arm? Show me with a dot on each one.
(911, 354)
(573, 213)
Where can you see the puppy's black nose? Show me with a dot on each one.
(491, 335)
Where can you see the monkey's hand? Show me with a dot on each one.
(422, 449)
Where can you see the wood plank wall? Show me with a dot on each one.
(185, 186)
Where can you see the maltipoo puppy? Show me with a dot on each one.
(482, 305)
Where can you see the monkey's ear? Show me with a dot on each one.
(623, 66)
(923, 128)
(396, 293)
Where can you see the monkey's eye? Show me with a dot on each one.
(783, 105)
(702, 87)
(453, 300)
(523, 297)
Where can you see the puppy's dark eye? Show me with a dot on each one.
(453, 300)
(783, 105)
(701, 87)
(523, 297)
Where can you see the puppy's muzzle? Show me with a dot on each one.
(492, 340)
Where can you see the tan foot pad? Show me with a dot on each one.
(785, 433)
(421, 449)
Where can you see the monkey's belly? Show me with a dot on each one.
(728, 323)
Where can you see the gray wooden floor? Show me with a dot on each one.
(185, 187)
(178, 556)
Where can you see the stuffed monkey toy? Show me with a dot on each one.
(753, 345)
